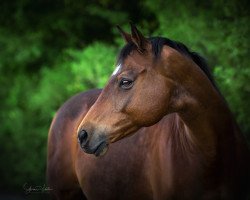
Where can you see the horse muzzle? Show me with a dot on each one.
(92, 145)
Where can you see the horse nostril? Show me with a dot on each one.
(82, 137)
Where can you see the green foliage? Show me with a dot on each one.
(50, 51)
(233, 83)
(31, 104)
(75, 71)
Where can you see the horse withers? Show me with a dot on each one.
(159, 129)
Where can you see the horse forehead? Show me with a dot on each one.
(136, 61)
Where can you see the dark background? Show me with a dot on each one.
(50, 50)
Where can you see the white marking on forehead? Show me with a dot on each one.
(118, 67)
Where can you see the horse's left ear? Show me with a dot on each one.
(138, 39)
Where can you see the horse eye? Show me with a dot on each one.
(126, 84)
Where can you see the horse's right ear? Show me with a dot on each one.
(126, 36)
(138, 39)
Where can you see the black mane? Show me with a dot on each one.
(157, 45)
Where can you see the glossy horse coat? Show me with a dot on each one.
(159, 129)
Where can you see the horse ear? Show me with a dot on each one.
(138, 39)
(126, 36)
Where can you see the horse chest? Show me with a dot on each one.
(127, 173)
(120, 178)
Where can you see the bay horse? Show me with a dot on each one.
(159, 129)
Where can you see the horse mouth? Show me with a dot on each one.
(101, 149)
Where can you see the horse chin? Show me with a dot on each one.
(101, 149)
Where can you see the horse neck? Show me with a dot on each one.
(205, 117)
